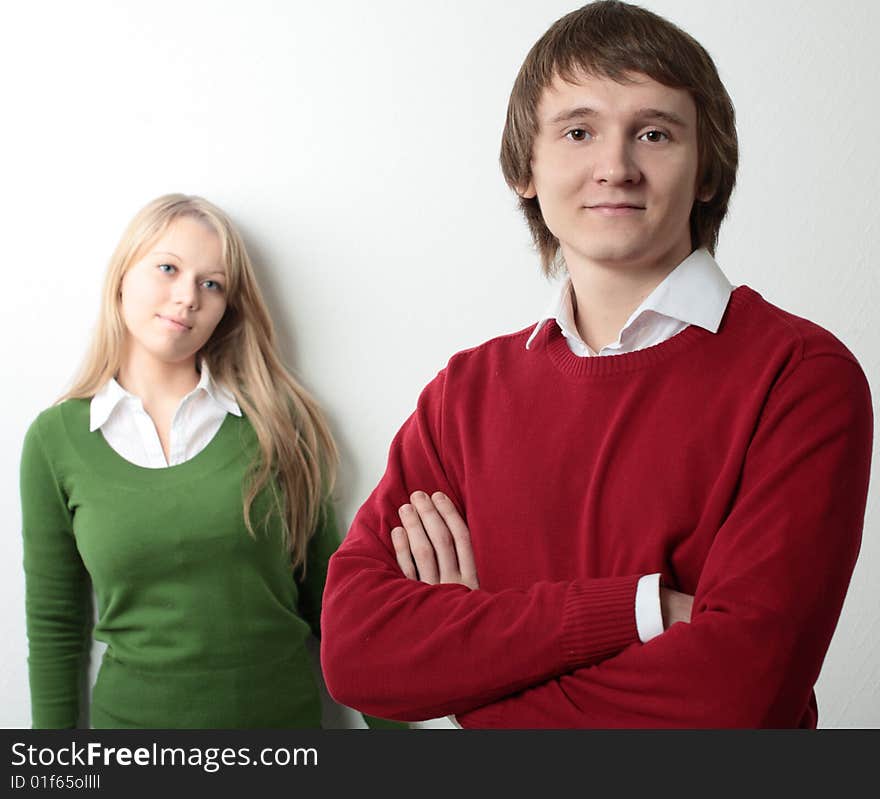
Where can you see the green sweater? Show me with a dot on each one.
(205, 625)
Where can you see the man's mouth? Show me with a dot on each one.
(615, 209)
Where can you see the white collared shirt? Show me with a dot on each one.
(696, 292)
(129, 430)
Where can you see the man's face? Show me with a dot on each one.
(614, 168)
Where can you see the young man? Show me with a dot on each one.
(644, 511)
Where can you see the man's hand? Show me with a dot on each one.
(675, 606)
(434, 544)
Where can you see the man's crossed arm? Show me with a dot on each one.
(433, 545)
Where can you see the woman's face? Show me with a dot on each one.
(173, 297)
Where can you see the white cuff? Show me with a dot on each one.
(649, 619)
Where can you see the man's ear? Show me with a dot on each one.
(705, 194)
(529, 191)
(706, 191)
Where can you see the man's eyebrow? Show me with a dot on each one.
(666, 116)
(574, 113)
(582, 111)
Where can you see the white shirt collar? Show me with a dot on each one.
(220, 394)
(104, 403)
(111, 394)
(696, 292)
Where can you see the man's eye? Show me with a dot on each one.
(167, 268)
(654, 136)
(578, 134)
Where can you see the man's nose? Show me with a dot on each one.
(615, 162)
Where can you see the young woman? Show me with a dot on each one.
(185, 477)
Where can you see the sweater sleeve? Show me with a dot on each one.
(399, 648)
(311, 586)
(57, 592)
(770, 593)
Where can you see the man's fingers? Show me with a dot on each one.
(439, 536)
(675, 606)
(404, 556)
(419, 545)
(434, 543)
(461, 537)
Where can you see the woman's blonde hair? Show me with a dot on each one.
(297, 452)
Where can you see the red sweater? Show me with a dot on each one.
(736, 464)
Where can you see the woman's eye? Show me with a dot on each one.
(213, 285)
(167, 268)
(654, 136)
(578, 134)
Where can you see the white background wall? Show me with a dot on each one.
(356, 146)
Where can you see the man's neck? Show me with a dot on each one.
(604, 296)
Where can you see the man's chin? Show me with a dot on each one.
(617, 255)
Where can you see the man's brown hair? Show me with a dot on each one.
(612, 39)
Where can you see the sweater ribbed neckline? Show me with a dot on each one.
(599, 366)
(92, 448)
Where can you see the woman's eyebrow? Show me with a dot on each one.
(218, 271)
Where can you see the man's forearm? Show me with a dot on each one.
(396, 648)
(423, 651)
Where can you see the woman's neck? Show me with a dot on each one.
(157, 382)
